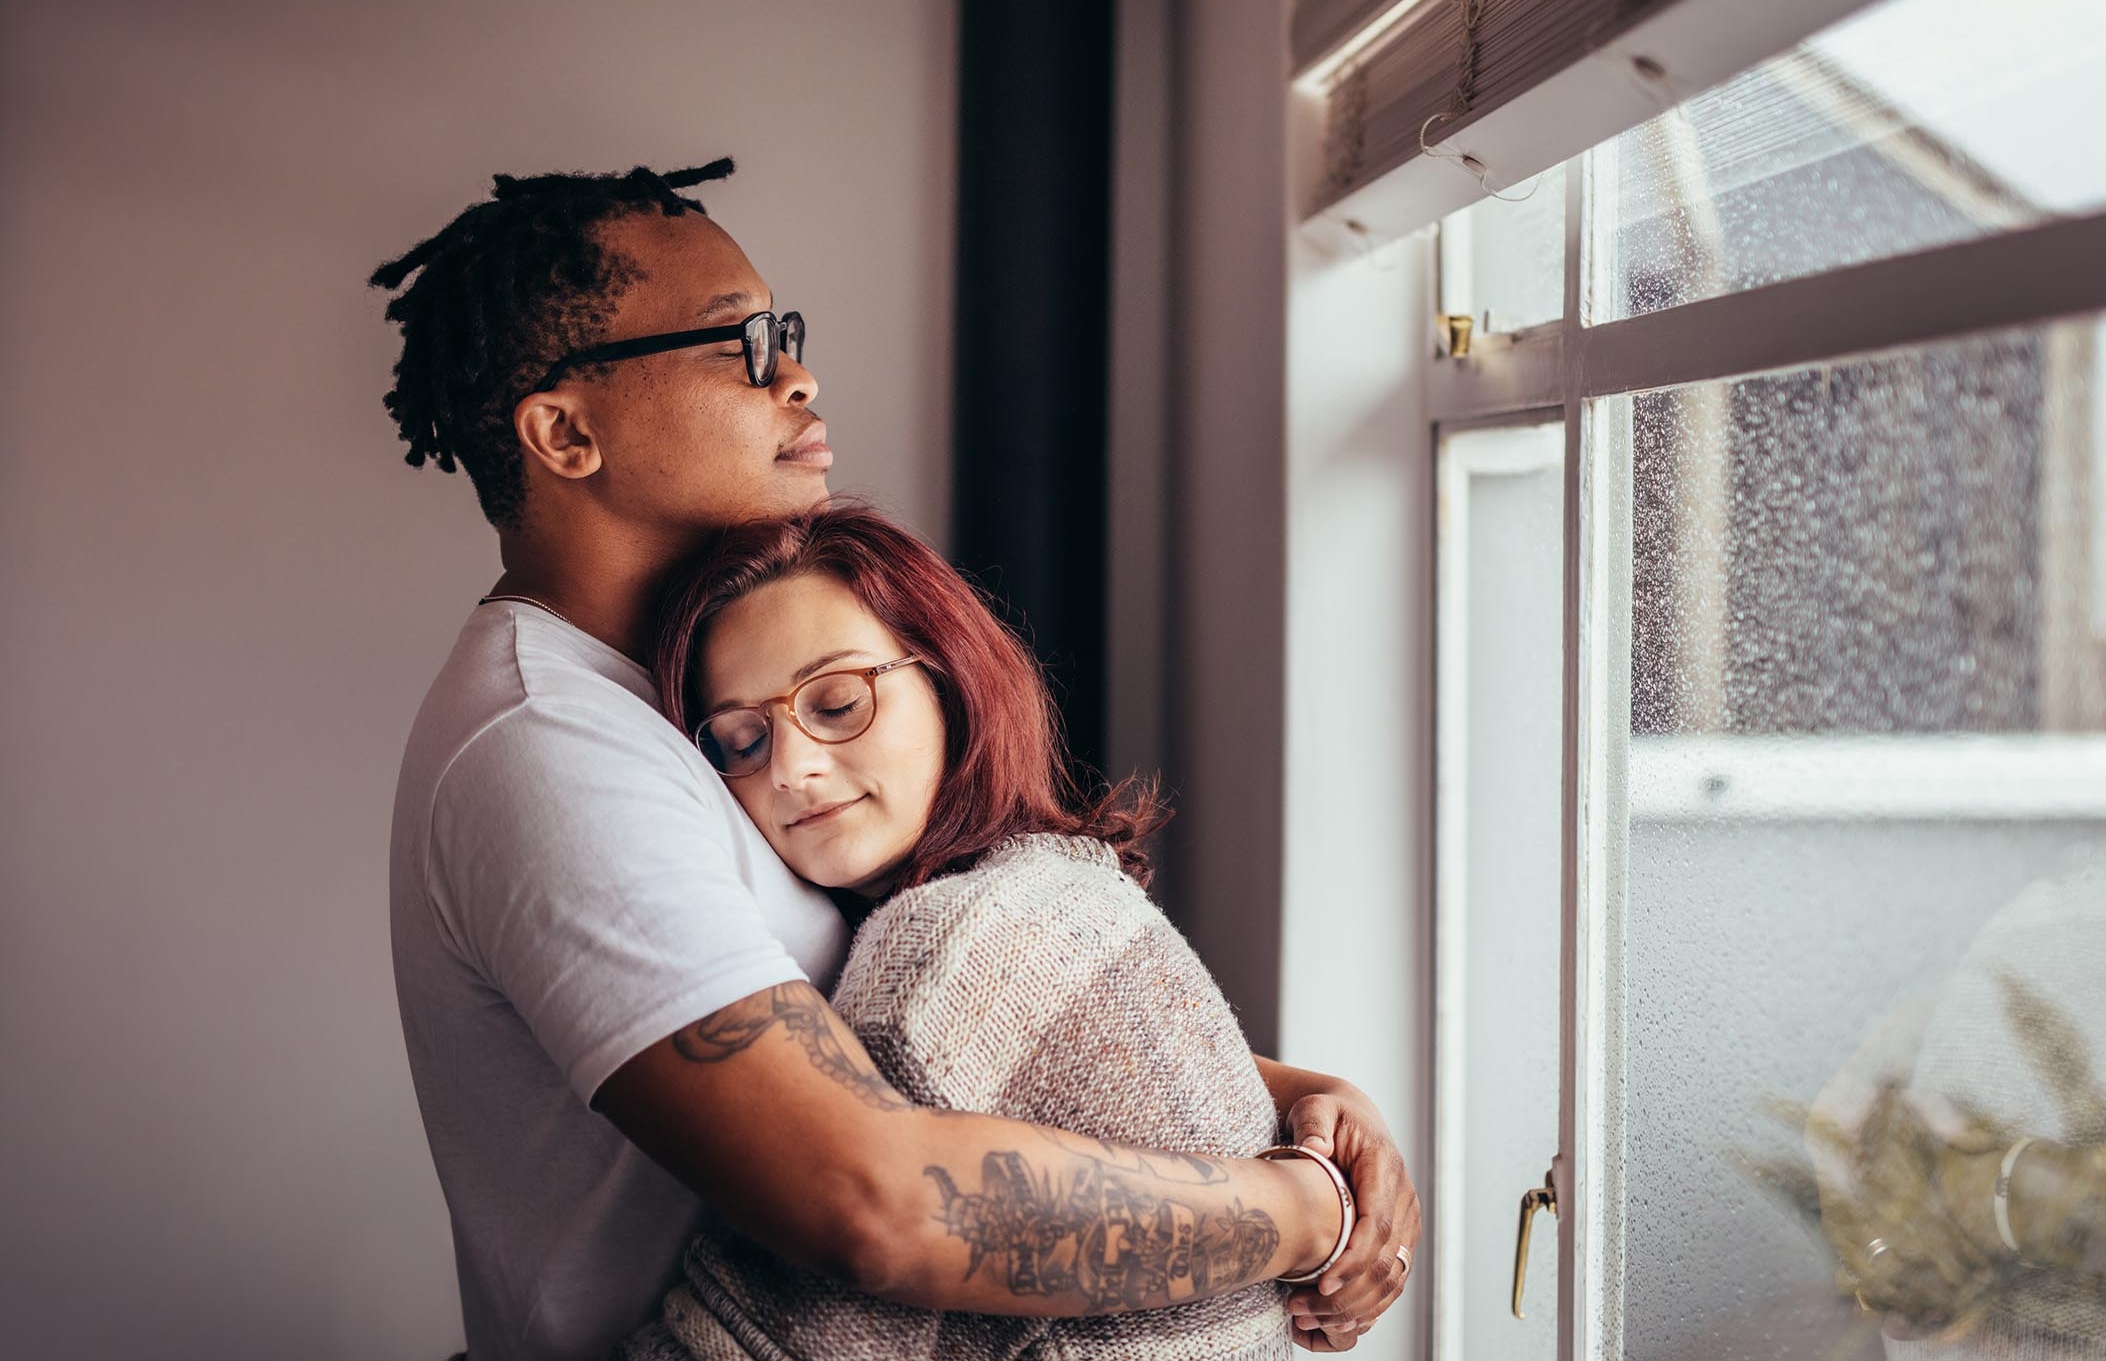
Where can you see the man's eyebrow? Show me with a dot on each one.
(742, 303)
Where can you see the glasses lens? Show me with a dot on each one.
(793, 335)
(760, 348)
(736, 743)
(835, 707)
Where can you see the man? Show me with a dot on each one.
(611, 989)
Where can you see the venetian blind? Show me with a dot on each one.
(1384, 69)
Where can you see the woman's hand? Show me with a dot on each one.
(1341, 1123)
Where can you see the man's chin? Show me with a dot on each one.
(805, 489)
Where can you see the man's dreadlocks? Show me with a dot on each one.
(502, 292)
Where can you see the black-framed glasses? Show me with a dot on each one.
(832, 707)
(765, 337)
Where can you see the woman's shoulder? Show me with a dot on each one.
(1037, 875)
(1051, 853)
(1038, 901)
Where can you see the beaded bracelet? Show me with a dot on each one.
(1345, 1205)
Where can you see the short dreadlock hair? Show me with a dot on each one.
(502, 292)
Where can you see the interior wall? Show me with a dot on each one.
(224, 593)
(1355, 957)
(1225, 485)
(1271, 566)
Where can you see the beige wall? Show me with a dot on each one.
(223, 593)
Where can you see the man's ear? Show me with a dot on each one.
(557, 433)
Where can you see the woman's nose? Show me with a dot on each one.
(796, 757)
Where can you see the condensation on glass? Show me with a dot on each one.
(1503, 258)
(1919, 123)
(1866, 840)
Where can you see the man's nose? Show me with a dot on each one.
(794, 383)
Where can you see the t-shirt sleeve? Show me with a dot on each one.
(583, 869)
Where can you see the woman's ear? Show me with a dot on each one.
(555, 430)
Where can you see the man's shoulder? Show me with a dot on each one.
(540, 685)
(523, 708)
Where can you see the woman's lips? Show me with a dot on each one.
(825, 812)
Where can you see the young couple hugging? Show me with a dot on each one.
(827, 1019)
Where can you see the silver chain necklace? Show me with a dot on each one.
(526, 600)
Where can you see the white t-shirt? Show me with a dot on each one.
(570, 883)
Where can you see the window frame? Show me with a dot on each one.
(2030, 275)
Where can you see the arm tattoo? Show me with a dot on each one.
(1100, 1229)
(1192, 1168)
(804, 1015)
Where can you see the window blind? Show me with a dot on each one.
(1383, 69)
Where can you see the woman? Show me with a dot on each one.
(896, 744)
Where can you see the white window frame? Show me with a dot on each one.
(2030, 275)
(1458, 468)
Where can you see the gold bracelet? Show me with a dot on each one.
(1345, 1205)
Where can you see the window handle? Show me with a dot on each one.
(1455, 329)
(1544, 1197)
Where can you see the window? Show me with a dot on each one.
(1887, 133)
(1788, 468)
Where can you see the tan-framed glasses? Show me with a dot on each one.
(832, 707)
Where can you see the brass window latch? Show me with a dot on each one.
(1544, 1197)
(1455, 329)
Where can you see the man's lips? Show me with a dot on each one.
(810, 448)
(821, 812)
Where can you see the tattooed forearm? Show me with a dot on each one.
(1193, 1168)
(806, 1019)
(1101, 1232)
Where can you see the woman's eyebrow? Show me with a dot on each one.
(816, 664)
(801, 674)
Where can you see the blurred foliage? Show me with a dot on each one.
(1905, 1210)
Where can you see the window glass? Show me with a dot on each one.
(1503, 259)
(1866, 832)
(1916, 124)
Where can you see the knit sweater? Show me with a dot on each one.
(1042, 985)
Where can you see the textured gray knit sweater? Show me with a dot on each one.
(1042, 985)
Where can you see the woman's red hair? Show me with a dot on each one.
(1005, 771)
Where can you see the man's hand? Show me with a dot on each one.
(1341, 1123)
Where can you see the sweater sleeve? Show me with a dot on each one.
(1046, 987)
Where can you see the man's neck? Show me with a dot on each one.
(607, 594)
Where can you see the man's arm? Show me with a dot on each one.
(772, 1111)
